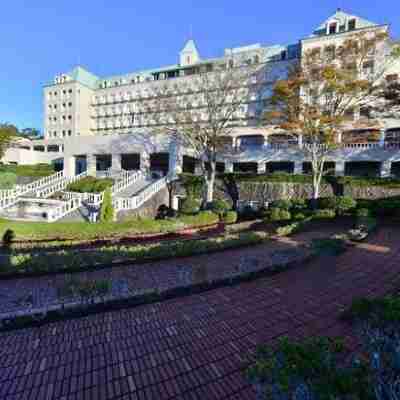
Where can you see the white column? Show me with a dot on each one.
(91, 164)
(382, 138)
(116, 162)
(339, 168)
(300, 141)
(228, 167)
(69, 166)
(144, 161)
(261, 168)
(175, 158)
(298, 167)
(339, 137)
(386, 169)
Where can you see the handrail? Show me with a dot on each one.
(132, 203)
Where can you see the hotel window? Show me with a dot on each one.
(55, 106)
(55, 133)
(64, 105)
(64, 92)
(69, 117)
(55, 93)
(352, 24)
(69, 104)
(70, 91)
(69, 133)
(368, 67)
(63, 117)
(332, 28)
(63, 133)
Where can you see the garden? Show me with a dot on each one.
(9, 174)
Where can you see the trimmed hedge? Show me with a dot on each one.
(190, 206)
(279, 214)
(324, 214)
(219, 207)
(230, 217)
(73, 261)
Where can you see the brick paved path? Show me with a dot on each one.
(194, 347)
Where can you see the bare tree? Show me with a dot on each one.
(202, 111)
(325, 88)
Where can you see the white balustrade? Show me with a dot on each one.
(64, 209)
(136, 201)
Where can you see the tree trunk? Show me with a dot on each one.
(210, 183)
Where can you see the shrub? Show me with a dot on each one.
(327, 203)
(107, 208)
(310, 369)
(279, 214)
(219, 207)
(248, 213)
(324, 214)
(282, 204)
(299, 216)
(8, 238)
(193, 184)
(190, 206)
(230, 217)
(7, 180)
(162, 212)
(299, 204)
(363, 212)
(330, 246)
(344, 204)
(90, 185)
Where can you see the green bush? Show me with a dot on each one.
(7, 180)
(345, 204)
(324, 214)
(312, 368)
(190, 206)
(230, 217)
(299, 204)
(219, 207)
(72, 261)
(391, 183)
(279, 214)
(389, 207)
(90, 184)
(276, 177)
(329, 203)
(363, 212)
(330, 246)
(107, 209)
(299, 216)
(8, 238)
(282, 204)
(193, 184)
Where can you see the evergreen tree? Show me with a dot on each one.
(107, 209)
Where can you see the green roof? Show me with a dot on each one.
(81, 75)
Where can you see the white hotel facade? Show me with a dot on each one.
(94, 124)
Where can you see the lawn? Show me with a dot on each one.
(87, 231)
(34, 171)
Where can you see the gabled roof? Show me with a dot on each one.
(342, 17)
(81, 75)
(190, 47)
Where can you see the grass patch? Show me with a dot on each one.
(34, 171)
(80, 231)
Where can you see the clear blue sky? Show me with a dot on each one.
(39, 39)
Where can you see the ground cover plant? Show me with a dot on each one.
(323, 369)
(90, 184)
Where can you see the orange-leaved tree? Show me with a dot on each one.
(324, 89)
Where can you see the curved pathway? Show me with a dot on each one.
(195, 347)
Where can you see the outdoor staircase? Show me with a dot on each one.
(130, 190)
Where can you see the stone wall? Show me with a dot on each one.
(262, 192)
(370, 192)
(148, 209)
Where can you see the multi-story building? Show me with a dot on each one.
(96, 123)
